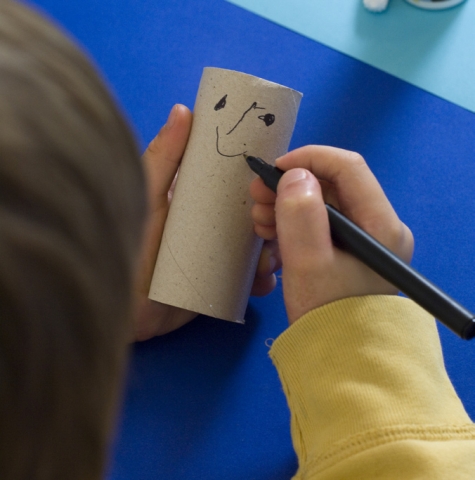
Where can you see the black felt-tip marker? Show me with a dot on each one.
(348, 236)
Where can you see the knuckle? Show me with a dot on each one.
(355, 159)
(393, 234)
(263, 214)
(265, 232)
(255, 211)
(379, 228)
(407, 243)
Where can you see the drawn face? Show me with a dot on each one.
(231, 140)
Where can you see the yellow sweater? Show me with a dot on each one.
(369, 395)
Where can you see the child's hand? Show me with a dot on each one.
(161, 161)
(314, 271)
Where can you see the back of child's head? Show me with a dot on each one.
(72, 206)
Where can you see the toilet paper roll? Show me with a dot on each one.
(209, 252)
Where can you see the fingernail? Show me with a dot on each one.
(294, 175)
(172, 116)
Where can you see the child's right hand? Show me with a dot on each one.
(314, 271)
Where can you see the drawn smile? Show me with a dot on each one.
(221, 153)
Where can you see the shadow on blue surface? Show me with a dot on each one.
(195, 414)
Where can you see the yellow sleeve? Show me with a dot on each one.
(369, 395)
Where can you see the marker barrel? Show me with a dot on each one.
(380, 259)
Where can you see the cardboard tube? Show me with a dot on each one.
(209, 252)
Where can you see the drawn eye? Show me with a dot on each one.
(221, 104)
(268, 119)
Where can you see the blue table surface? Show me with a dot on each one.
(205, 402)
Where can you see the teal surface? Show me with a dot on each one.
(434, 50)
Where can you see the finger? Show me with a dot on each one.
(302, 221)
(329, 193)
(263, 214)
(267, 233)
(164, 153)
(263, 286)
(260, 193)
(359, 194)
(304, 239)
(270, 260)
(161, 161)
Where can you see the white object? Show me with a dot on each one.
(435, 4)
(376, 5)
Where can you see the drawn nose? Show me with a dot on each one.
(253, 106)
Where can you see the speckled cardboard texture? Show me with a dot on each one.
(209, 251)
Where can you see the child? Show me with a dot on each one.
(72, 217)
(72, 210)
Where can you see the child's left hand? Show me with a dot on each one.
(161, 162)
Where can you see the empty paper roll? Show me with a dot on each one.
(209, 252)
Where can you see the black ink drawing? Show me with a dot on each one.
(268, 120)
(221, 104)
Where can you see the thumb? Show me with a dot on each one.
(301, 218)
(304, 237)
(161, 161)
